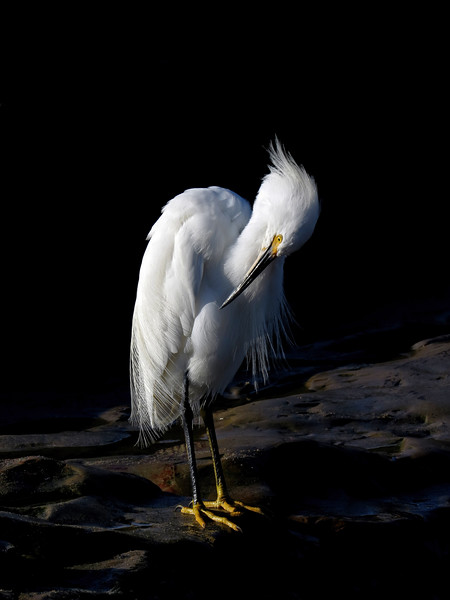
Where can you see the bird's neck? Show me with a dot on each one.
(260, 308)
(243, 253)
(266, 290)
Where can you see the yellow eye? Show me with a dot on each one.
(276, 242)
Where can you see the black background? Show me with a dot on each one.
(105, 117)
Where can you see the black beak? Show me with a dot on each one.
(257, 268)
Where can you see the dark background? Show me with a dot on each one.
(101, 125)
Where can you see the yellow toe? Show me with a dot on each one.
(196, 510)
(234, 507)
(255, 509)
(199, 511)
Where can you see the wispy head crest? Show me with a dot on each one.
(282, 162)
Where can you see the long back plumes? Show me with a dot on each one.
(201, 248)
(179, 266)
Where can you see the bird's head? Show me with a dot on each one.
(285, 213)
(287, 203)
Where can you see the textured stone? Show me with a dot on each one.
(351, 469)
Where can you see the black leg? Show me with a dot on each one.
(198, 507)
(208, 419)
(188, 419)
(223, 501)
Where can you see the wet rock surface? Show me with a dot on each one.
(349, 458)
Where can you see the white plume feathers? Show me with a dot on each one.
(199, 250)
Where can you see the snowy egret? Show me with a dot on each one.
(210, 292)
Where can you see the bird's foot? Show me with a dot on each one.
(200, 512)
(204, 510)
(234, 507)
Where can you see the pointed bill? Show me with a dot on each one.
(263, 261)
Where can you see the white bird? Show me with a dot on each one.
(210, 293)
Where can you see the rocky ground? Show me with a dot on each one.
(348, 454)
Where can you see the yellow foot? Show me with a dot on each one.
(232, 506)
(200, 512)
(203, 510)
